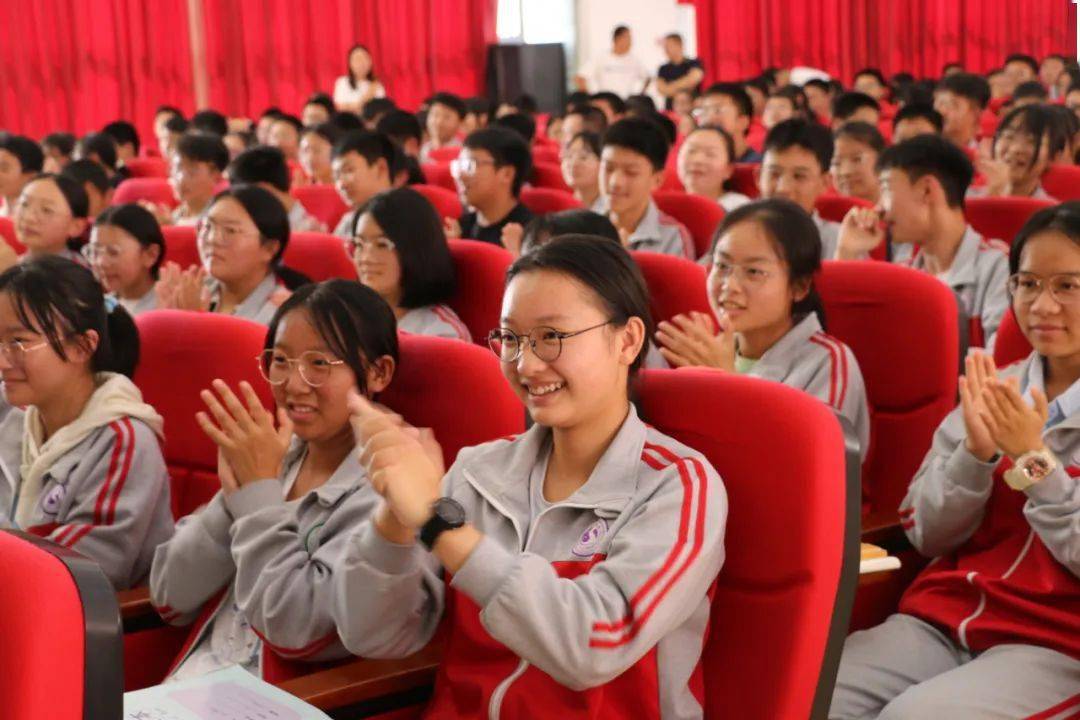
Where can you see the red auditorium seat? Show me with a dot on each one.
(320, 256)
(546, 153)
(444, 154)
(61, 653)
(7, 232)
(439, 174)
(151, 189)
(834, 207)
(676, 285)
(322, 201)
(542, 200)
(744, 179)
(549, 175)
(181, 353)
(902, 326)
(1000, 218)
(147, 168)
(1062, 182)
(701, 216)
(481, 276)
(1010, 345)
(445, 202)
(181, 247)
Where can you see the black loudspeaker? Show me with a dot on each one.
(539, 70)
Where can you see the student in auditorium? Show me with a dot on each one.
(265, 166)
(632, 168)
(95, 183)
(857, 146)
(557, 544)
(961, 99)
(20, 160)
(284, 135)
(50, 219)
(705, 166)
(400, 251)
(363, 164)
(82, 463)
(547, 227)
(729, 106)
(798, 156)
(1026, 142)
(125, 251)
(359, 83)
(57, 148)
(317, 109)
(768, 320)
(916, 119)
(493, 165)
(252, 570)
(581, 170)
(855, 107)
(241, 241)
(197, 167)
(316, 152)
(991, 628)
(445, 114)
(923, 182)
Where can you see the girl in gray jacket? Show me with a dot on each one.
(258, 560)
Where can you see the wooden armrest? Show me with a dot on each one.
(883, 528)
(363, 679)
(136, 612)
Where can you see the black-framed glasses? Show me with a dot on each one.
(1064, 288)
(546, 342)
(315, 367)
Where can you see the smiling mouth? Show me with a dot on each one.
(542, 390)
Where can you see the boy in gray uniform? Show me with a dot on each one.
(363, 164)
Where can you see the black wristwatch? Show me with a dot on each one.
(448, 515)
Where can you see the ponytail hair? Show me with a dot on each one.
(797, 242)
(61, 299)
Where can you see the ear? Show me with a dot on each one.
(150, 255)
(77, 227)
(929, 190)
(631, 338)
(506, 174)
(269, 249)
(379, 374)
(800, 289)
(85, 346)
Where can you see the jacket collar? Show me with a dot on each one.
(349, 475)
(778, 358)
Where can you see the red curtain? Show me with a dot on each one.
(737, 38)
(64, 66)
(277, 52)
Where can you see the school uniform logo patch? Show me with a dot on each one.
(589, 542)
(50, 504)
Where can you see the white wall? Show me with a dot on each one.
(649, 21)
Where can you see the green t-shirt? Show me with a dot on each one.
(744, 365)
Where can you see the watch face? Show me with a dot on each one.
(450, 511)
(1037, 468)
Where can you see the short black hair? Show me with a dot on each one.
(1044, 125)
(1030, 89)
(525, 103)
(506, 147)
(520, 123)
(591, 140)
(210, 122)
(372, 146)
(1026, 59)
(1064, 218)
(968, 85)
(819, 84)
(290, 120)
(322, 100)
(138, 222)
(804, 134)
(578, 97)
(949, 66)
(674, 36)
(400, 126)
(87, 171)
(62, 141)
(261, 164)
(640, 105)
(862, 132)
(874, 73)
(931, 155)
(619, 31)
(177, 124)
(641, 136)
(666, 125)
(736, 92)
(346, 121)
(915, 111)
(847, 104)
(29, 154)
(578, 221)
(171, 109)
(204, 148)
(98, 144)
(450, 100)
(616, 103)
(328, 131)
(123, 133)
(375, 108)
(593, 118)
(412, 223)
(478, 105)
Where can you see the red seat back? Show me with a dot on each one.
(151, 189)
(148, 167)
(444, 154)
(320, 256)
(781, 602)
(60, 623)
(543, 200)
(481, 278)
(676, 285)
(834, 207)
(439, 174)
(549, 175)
(701, 216)
(7, 233)
(181, 353)
(546, 153)
(1062, 182)
(1000, 218)
(444, 201)
(902, 326)
(744, 179)
(1010, 345)
(181, 246)
(323, 202)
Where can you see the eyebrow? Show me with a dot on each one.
(540, 320)
(755, 259)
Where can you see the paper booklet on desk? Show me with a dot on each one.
(229, 694)
(874, 559)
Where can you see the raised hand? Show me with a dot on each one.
(1015, 426)
(860, 232)
(695, 340)
(978, 371)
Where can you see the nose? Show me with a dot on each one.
(528, 362)
(1044, 303)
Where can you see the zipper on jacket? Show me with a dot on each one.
(961, 631)
(495, 706)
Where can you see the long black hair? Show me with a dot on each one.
(348, 65)
(1063, 218)
(139, 223)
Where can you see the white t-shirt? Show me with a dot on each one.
(346, 95)
(623, 75)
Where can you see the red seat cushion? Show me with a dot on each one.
(744, 179)
(7, 232)
(542, 201)
(481, 277)
(147, 168)
(549, 175)
(834, 207)
(1000, 218)
(701, 216)
(181, 246)
(1062, 182)
(444, 154)
(439, 174)
(444, 201)
(1010, 345)
(151, 189)
(320, 256)
(676, 286)
(323, 202)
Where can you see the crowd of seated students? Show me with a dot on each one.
(305, 554)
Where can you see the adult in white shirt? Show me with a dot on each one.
(359, 85)
(616, 71)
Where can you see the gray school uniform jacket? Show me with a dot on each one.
(279, 556)
(830, 236)
(1007, 562)
(600, 601)
(261, 304)
(107, 497)
(979, 276)
(660, 233)
(344, 229)
(809, 360)
(436, 321)
(300, 220)
(138, 306)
